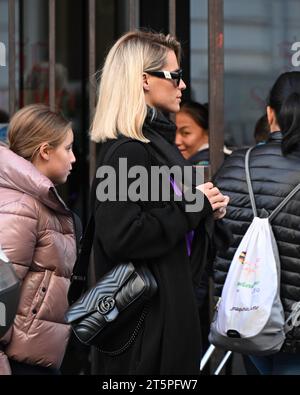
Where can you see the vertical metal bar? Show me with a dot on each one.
(92, 84)
(12, 56)
(92, 145)
(172, 17)
(172, 28)
(133, 14)
(52, 60)
(216, 83)
(21, 64)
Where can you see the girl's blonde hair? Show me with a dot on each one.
(33, 126)
(121, 106)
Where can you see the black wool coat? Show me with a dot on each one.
(273, 177)
(154, 233)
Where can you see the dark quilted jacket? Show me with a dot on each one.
(273, 177)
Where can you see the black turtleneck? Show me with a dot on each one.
(158, 121)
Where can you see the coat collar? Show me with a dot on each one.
(160, 122)
(275, 137)
(21, 175)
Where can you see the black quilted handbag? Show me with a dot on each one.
(101, 313)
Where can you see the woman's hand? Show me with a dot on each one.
(221, 212)
(217, 200)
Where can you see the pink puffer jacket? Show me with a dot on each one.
(37, 235)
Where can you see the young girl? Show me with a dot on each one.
(37, 235)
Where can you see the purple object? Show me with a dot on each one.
(190, 235)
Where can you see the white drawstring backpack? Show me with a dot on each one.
(249, 316)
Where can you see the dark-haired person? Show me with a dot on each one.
(192, 133)
(275, 171)
(192, 140)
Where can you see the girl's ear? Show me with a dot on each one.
(146, 82)
(44, 151)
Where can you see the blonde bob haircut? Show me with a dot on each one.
(121, 107)
(33, 126)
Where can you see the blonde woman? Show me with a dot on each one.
(141, 83)
(37, 235)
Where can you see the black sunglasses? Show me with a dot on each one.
(169, 75)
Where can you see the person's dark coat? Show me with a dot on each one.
(273, 177)
(155, 233)
(201, 158)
